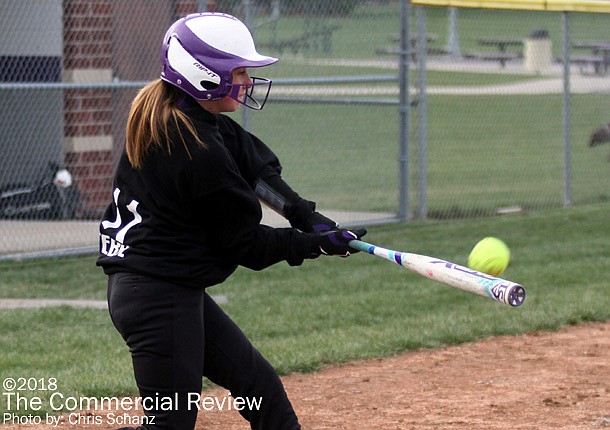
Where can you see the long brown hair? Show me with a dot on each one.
(152, 112)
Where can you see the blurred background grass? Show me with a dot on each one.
(380, 24)
(479, 158)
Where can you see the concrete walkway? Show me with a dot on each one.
(27, 239)
(48, 303)
(579, 85)
(45, 303)
(549, 81)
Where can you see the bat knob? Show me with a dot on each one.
(516, 296)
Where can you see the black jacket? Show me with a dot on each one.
(191, 216)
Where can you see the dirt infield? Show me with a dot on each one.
(558, 380)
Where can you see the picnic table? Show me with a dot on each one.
(502, 55)
(501, 42)
(430, 37)
(316, 38)
(394, 50)
(599, 57)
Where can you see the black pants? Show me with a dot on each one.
(177, 335)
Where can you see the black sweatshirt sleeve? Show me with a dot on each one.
(250, 153)
(232, 210)
(260, 166)
(237, 235)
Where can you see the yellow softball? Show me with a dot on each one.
(490, 256)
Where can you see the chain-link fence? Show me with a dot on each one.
(485, 132)
(501, 132)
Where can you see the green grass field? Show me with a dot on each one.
(330, 310)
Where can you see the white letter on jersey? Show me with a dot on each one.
(114, 246)
(117, 222)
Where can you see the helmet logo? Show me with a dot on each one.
(199, 76)
(208, 85)
(204, 69)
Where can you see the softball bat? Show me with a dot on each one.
(451, 274)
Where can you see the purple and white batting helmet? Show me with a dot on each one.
(201, 50)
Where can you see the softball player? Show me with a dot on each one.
(186, 213)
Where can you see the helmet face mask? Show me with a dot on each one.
(256, 93)
(200, 52)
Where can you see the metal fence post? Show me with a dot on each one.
(453, 43)
(245, 112)
(403, 109)
(567, 115)
(422, 112)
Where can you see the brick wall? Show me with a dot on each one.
(88, 112)
(92, 137)
(87, 34)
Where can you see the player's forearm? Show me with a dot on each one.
(301, 213)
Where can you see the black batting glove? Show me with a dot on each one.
(302, 215)
(318, 223)
(335, 242)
